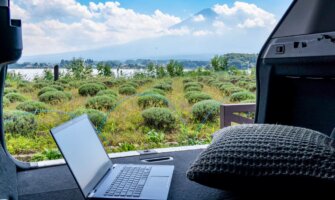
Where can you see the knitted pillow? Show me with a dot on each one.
(263, 156)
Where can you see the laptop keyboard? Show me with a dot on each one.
(129, 182)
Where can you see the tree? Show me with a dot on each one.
(79, 69)
(104, 69)
(175, 68)
(151, 69)
(170, 67)
(160, 71)
(219, 63)
(48, 75)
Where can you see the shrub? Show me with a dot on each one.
(46, 89)
(193, 84)
(47, 154)
(54, 97)
(58, 87)
(196, 97)
(135, 85)
(252, 87)
(32, 106)
(153, 100)
(19, 122)
(110, 83)
(188, 94)
(22, 83)
(27, 89)
(154, 91)
(164, 86)
(160, 118)
(15, 97)
(90, 89)
(40, 85)
(206, 110)
(243, 84)
(187, 80)
(231, 90)
(76, 84)
(108, 93)
(5, 101)
(249, 101)
(97, 117)
(101, 102)
(129, 90)
(10, 90)
(194, 89)
(242, 96)
(155, 137)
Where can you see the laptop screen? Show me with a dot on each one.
(83, 152)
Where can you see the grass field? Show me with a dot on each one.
(124, 127)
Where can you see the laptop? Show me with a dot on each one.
(96, 175)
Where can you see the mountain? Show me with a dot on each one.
(202, 20)
(201, 43)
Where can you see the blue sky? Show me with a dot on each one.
(186, 8)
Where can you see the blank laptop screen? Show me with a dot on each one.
(83, 152)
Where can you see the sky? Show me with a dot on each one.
(59, 26)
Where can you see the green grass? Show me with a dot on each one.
(124, 128)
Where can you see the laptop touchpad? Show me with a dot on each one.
(158, 181)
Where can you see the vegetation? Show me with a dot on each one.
(242, 96)
(19, 122)
(127, 90)
(160, 118)
(165, 109)
(152, 100)
(90, 89)
(15, 97)
(101, 102)
(32, 106)
(207, 110)
(54, 97)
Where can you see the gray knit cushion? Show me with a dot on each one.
(266, 155)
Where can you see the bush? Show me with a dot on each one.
(40, 85)
(108, 93)
(110, 83)
(27, 89)
(54, 97)
(194, 89)
(152, 100)
(206, 110)
(231, 90)
(135, 85)
(47, 154)
(101, 102)
(19, 122)
(129, 90)
(22, 83)
(193, 84)
(249, 101)
(252, 87)
(242, 96)
(196, 97)
(154, 91)
(15, 97)
(160, 118)
(91, 89)
(32, 106)
(164, 86)
(46, 89)
(97, 117)
(187, 80)
(10, 90)
(5, 101)
(58, 87)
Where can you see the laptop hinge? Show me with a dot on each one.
(91, 194)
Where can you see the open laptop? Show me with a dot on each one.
(97, 176)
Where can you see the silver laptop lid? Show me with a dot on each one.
(83, 152)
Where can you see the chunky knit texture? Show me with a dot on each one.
(263, 154)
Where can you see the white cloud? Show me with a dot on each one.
(249, 15)
(57, 26)
(199, 18)
(201, 33)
